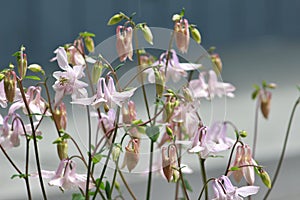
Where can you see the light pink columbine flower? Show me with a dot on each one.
(182, 35)
(169, 162)
(106, 93)
(35, 102)
(108, 119)
(65, 177)
(68, 82)
(129, 115)
(199, 88)
(224, 190)
(244, 158)
(211, 140)
(124, 43)
(3, 100)
(11, 132)
(132, 154)
(175, 69)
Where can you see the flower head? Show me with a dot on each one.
(124, 43)
(3, 100)
(169, 162)
(182, 35)
(132, 154)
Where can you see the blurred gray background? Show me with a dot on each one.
(257, 40)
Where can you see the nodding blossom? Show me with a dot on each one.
(132, 154)
(169, 162)
(182, 35)
(224, 190)
(124, 43)
(3, 100)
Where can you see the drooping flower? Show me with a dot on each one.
(211, 140)
(11, 133)
(224, 190)
(265, 102)
(132, 154)
(65, 177)
(3, 100)
(244, 160)
(175, 69)
(169, 162)
(124, 43)
(68, 82)
(129, 115)
(182, 35)
(199, 88)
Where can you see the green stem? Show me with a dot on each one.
(283, 149)
(204, 178)
(126, 184)
(204, 186)
(255, 130)
(87, 197)
(150, 170)
(26, 169)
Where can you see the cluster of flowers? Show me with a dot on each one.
(178, 111)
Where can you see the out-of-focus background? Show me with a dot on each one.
(257, 40)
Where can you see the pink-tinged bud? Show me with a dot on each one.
(182, 35)
(124, 43)
(60, 116)
(265, 103)
(10, 85)
(74, 56)
(129, 114)
(78, 44)
(217, 62)
(62, 149)
(132, 154)
(169, 162)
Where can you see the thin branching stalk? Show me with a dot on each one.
(255, 129)
(87, 197)
(203, 175)
(283, 148)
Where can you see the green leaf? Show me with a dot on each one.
(18, 176)
(254, 94)
(97, 158)
(255, 86)
(187, 185)
(107, 190)
(86, 34)
(182, 12)
(77, 196)
(264, 84)
(101, 186)
(36, 78)
(118, 67)
(234, 168)
(152, 132)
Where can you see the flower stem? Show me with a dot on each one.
(283, 148)
(26, 169)
(255, 129)
(126, 184)
(150, 170)
(204, 178)
(87, 197)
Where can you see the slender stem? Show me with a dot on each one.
(205, 186)
(10, 160)
(255, 129)
(283, 148)
(126, 184)
(87, 196)
(230, 157)
(34, 139)
(150, 170)
(204, 178)
(27, 168)
(109, 153)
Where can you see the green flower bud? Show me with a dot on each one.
(159, 82)
(10, 85)
(176, 17)
(196, 34)
(96, 72)
(116, 152)
(115, 19)
(2, 76)
(62, 149)
(36, 68)
(169, 131)
(265, 178)
(147, 34)
(89, 43)
(243, 133)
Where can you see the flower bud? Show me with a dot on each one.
(10, 85)
(187, 94)
(147, 34)
(89, 43)
(60, 117)
(265, 103)
(217, 62)
(115, 19)
(243, 133)
(159, 82)
(96, 72)
(196, 34)
(168, 162)
(116, 152)
(176, 17)
(22, 62)
(132, 155)
(62, 149)
(265, 178)
(36, 68)
(169, 131)
(2, 76)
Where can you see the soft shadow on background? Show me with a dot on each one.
(257, 40)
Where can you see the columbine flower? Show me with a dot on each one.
(124, 43)
(244, 160)
(169, 162)
(175, 69)
(199, 88)
(182, 35)
(224, 190)
(65, 176)
(68, 82)
(132, 154)
(129, 115)
(265, 102)
(108, 119)
(211, 140)
(3, 100)
(11, 133)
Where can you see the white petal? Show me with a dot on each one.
(247, 190)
